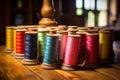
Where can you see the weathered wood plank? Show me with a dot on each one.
(10, 69)
(91, 75)
(68, 76)
(45, 74)
(111, 72)
(116, 66)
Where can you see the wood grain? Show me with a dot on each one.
(111, 72)
(13, 69)
(45, 74)
(10, 69)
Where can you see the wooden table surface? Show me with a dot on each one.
(12, 69)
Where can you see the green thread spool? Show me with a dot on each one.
(41, 40)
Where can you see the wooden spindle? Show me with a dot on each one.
(48, 13)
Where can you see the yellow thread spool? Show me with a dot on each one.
(104, 43)
(14, 39)
(9, 39)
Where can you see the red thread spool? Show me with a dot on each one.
(82, 47)
(92, 49)
(63, 41)
(20, 38)
(71, 52)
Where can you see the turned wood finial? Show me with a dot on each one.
(48, 13)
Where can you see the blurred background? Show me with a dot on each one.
(99, 13)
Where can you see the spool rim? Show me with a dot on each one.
(92, 34)
(30, 32)
(74, 35)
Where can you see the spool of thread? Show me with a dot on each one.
(50, 52)
(116, 48)
(62, 27)
(30, 55)
(20, 41)
(9, 39)
(91, 27)
(52, 31)
(72, 27)
(82, 28)
(72, 31)
(82, 49)
(14, 40)
(71, 52)
(104, 44)
(92, 50)
(41, 26)
(93, 31)
(41, 40)
(63, 40)
(32, 29)
(111, 31)
(83, 31)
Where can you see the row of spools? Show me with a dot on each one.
(60, 46)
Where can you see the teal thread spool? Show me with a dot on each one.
(50, 52)
(41, 40)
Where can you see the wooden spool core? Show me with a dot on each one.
(48, 13)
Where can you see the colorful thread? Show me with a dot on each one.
(51, 47)
(72, 50)
(82, 47)
(92, 47)
(20, 41)
(30, 45)
(9, 39)
(14, 39)
(41, 40)
(111, 31)
(63, 40)
(104, 42)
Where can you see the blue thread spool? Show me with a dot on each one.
(51, 51)
(30, 48)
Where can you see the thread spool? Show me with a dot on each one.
(90, 27)
(62, 27)
(104, 44)
(20, 41)
(63, 40)
(9, 39)
(52, 29)
(93, 31)
(30, 55)
(116, 47)
(82, 50)
(26, 26)
(71, 52)
(82, 28)
(14, 40)
(83, 31)
(72, 27)
(41, 41)
(32, 29)
(92, 50)
(41, 26)
(72, 31)
(111, 31)
(50, 52)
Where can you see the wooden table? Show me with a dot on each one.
(12, 69)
